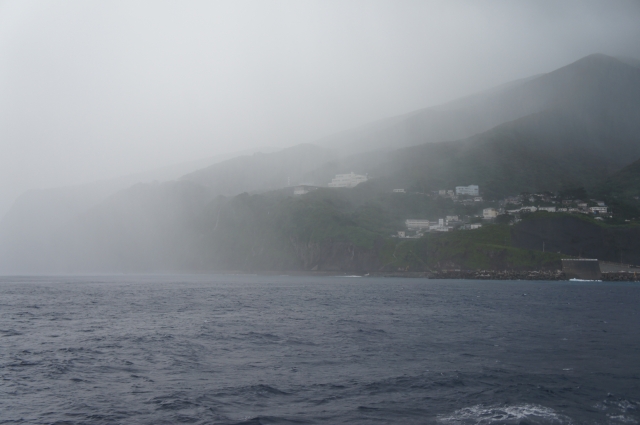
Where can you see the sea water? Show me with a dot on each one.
(238, 349)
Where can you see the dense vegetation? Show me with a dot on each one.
(575, 131)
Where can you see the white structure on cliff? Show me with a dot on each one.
(440, 227)
(303, 189)
(471, 190)
(488, 213)
(347, 180)
(417, 224)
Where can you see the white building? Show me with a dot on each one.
(549, 209)
(489, 213)
(475, 226)
(398, 191)
(347, 180)
(599, 210)
(440, 227)
(452, 218)
(417, 224)
(471, 190)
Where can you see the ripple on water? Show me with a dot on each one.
(505, 415)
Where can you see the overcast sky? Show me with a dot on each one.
(93, 90)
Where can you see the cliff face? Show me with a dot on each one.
(578, 237)
(337, 256)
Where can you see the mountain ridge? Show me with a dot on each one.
(583, 135)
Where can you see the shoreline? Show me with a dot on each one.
(547, 275)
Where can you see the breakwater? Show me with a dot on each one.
(620, 277)
(505, 275)
(480, 274)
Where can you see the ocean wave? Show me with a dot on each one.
(505, 415)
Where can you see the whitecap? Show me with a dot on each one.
(485, 415)
(622, 419)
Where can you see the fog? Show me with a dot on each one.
(96, 90)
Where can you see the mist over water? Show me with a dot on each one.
(202, 137)
(98, 90)
(281, 350)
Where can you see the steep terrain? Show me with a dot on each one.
(260, 172)
(576, 126)
(578, 236)
(588, 84)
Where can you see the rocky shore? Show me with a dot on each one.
(620, 277)
(505, 275)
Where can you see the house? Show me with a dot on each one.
(452, 218)
(489, 213)
(347, 180)
(416, 224)
(303, 189)
(471, 190)
(548, 209)
(599, 210)
(477, 199)
(398, 191)
(401, 234)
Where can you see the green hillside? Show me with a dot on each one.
(580, 128)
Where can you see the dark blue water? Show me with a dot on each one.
(298, 350)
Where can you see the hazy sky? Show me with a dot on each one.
(91, 90)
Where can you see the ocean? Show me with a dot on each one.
(242, 349)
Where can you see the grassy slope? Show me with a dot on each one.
(329, 216)
(484, 248)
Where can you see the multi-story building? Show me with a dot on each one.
(599, 210)
(416, 224)
(472, 190)
(440, 227)
(347, 180)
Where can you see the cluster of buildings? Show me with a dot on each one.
(418, 227)
(347, 180)
(529, 203)
(464, 194)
